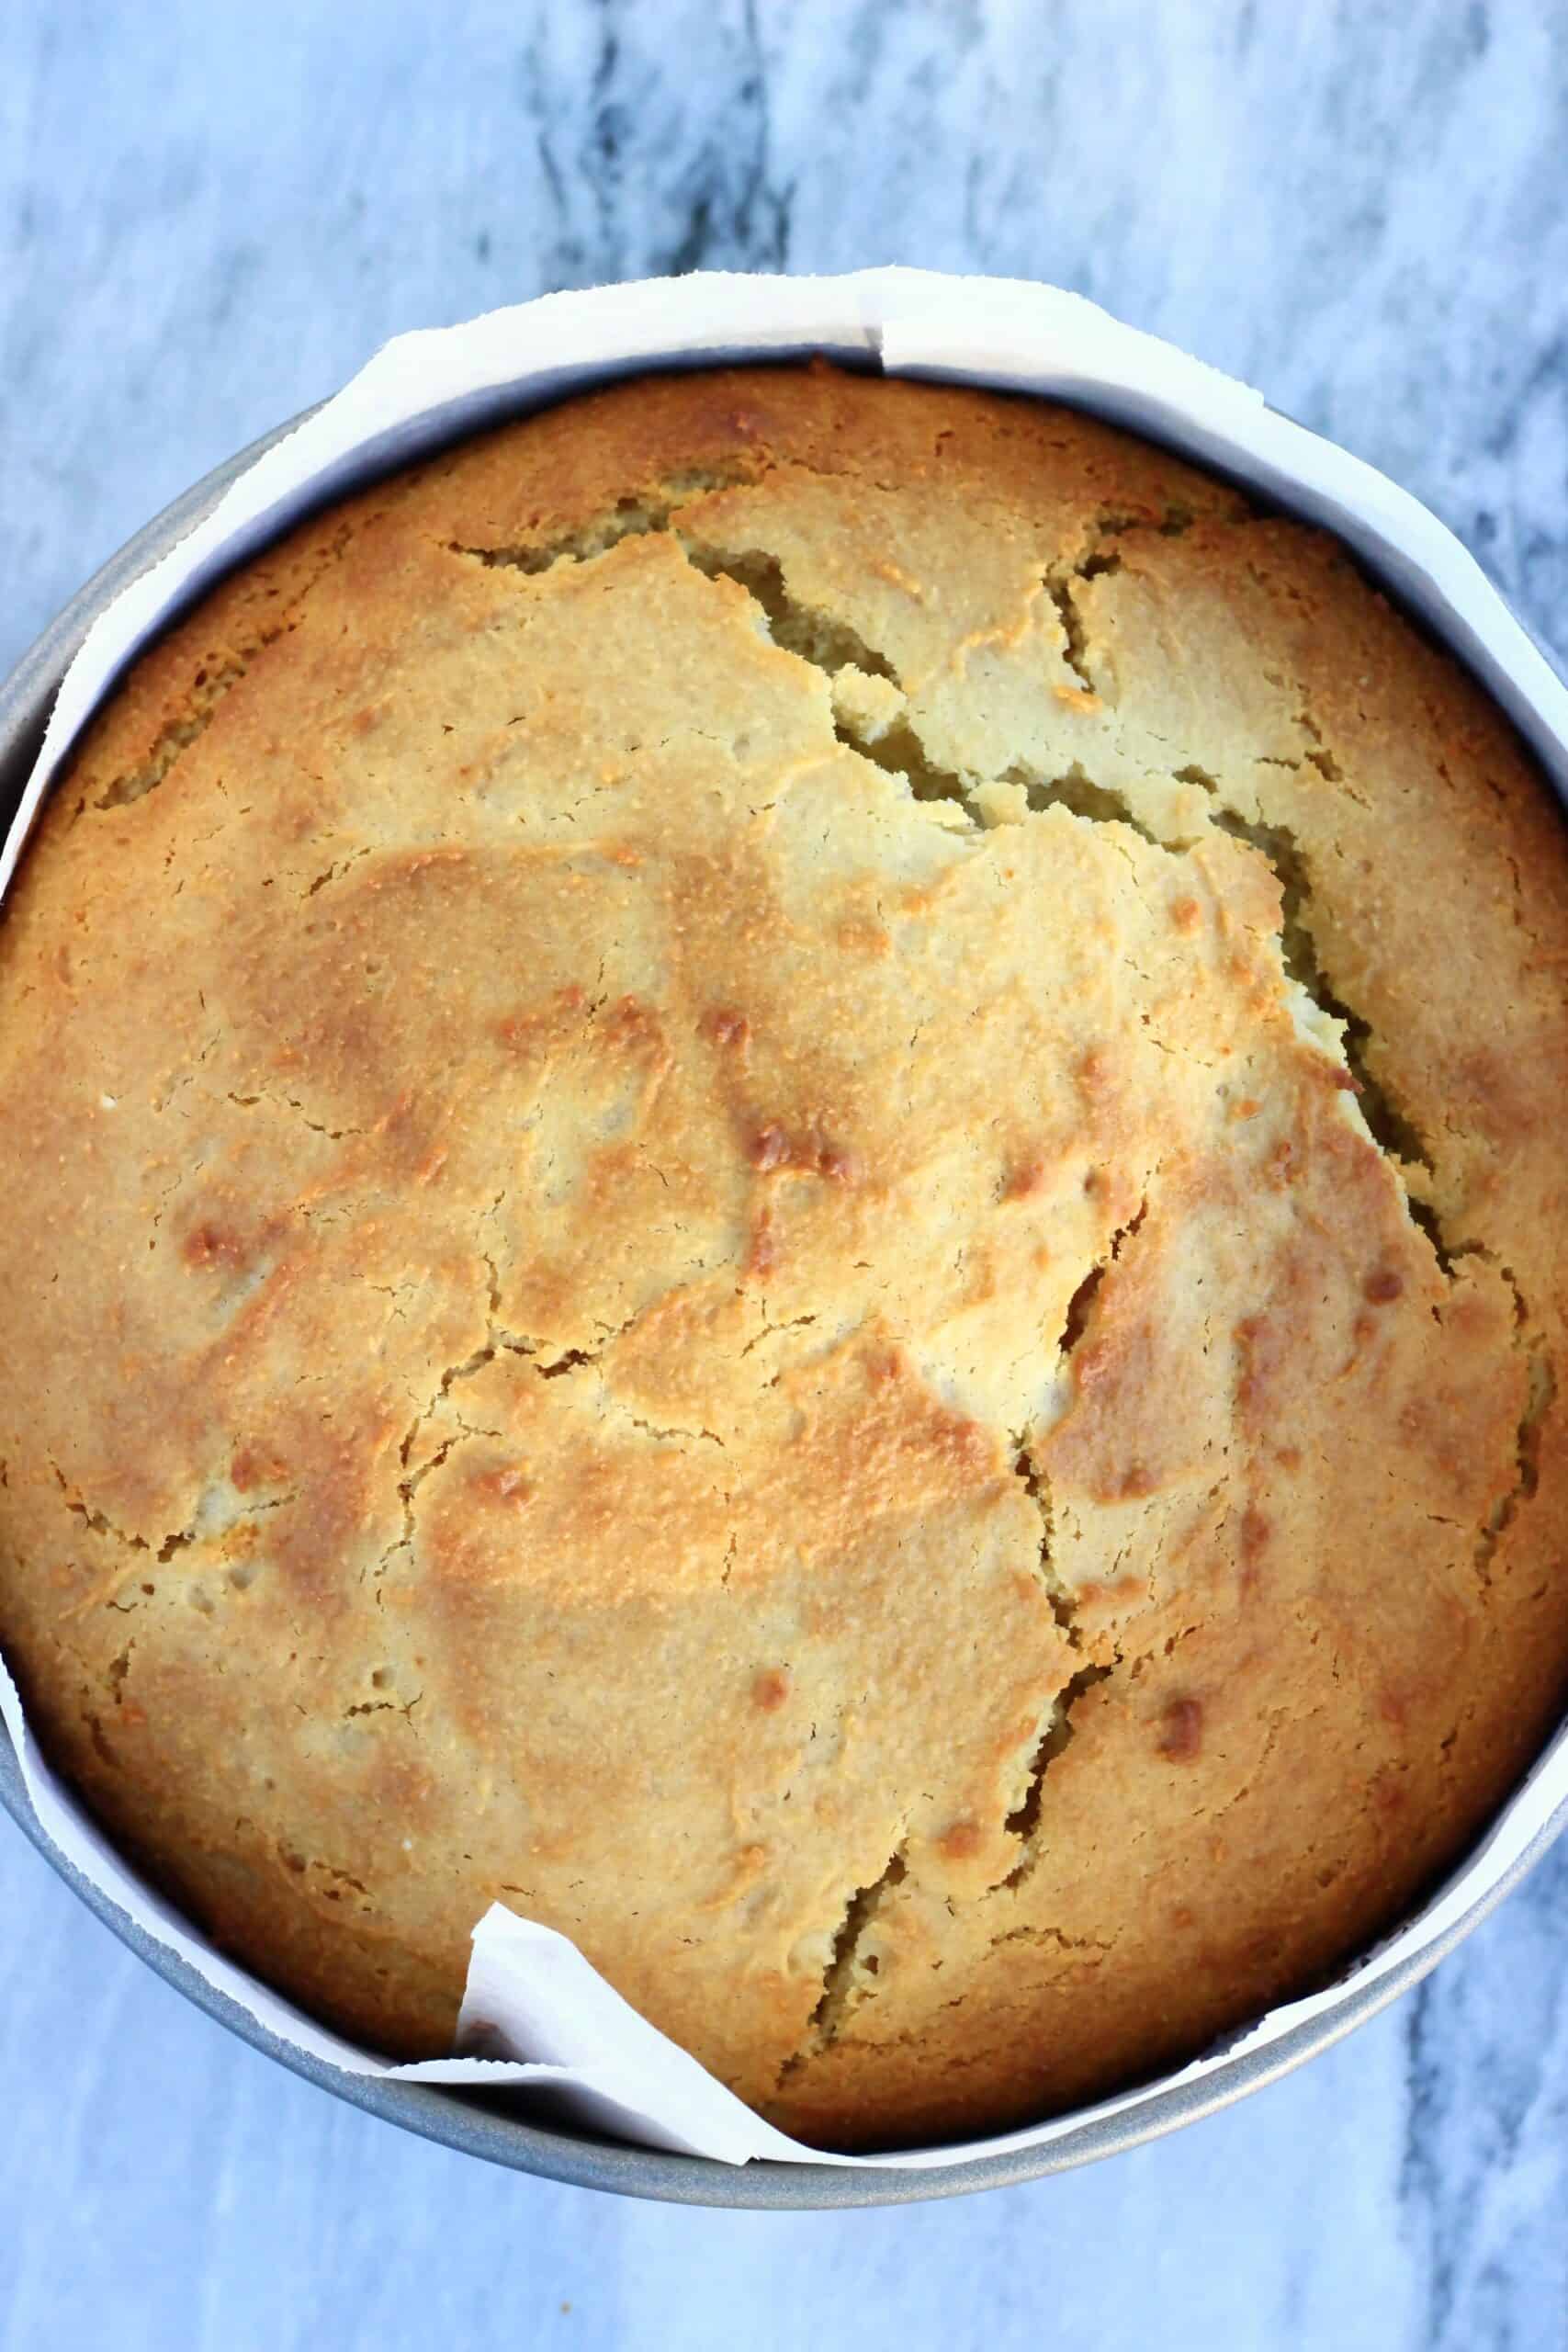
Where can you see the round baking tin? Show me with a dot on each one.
(514, 2129)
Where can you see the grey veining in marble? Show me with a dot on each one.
(209, 214)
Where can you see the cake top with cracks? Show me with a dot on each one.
(783, 1180)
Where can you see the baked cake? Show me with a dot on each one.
(783, 1175)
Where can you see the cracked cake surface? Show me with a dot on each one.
(784, 1176)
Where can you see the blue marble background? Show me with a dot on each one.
(210, 213)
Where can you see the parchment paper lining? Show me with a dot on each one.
(536, 2014)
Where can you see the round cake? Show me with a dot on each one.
(785, 1176)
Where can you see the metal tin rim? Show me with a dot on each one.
(485, 2125)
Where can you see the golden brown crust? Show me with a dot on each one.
(688, 1247)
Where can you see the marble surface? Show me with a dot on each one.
(208, 215)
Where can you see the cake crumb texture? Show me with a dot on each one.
(783, 1175)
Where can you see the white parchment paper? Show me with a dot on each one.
(535, 2015)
